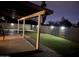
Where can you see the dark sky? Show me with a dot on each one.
(67, 9)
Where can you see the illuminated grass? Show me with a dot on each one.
(61, 45)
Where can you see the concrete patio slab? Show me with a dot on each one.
(13, 44)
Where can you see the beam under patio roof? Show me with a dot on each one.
(33, 15)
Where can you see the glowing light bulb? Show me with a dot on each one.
(52, 27)
(12, 24)
(62, 27)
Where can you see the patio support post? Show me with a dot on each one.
(23, 27)
(38, 33)
(18, 26)
(37, 14)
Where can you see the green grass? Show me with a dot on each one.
(60, 45)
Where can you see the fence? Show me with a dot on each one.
(65, 32)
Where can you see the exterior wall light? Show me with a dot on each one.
(37, 26)
(52, 27)
(33, 26)
(62, 28)
(12, 24)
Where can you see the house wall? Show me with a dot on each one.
(8, 26)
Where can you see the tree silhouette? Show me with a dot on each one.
(43, 4)
(54, 23)
(51, 23)
(65, 22)
(78, 24)
(43, 16)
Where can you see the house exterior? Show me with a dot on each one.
(20, 12)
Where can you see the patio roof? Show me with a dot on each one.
(21, 8)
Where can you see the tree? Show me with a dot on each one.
(43, 4)
(54, 23)
(65, 22)
(51, 23)
(78, 24)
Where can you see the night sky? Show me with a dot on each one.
(67, 9)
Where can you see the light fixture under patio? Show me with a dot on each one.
(12, 24)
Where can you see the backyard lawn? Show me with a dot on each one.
(60, 45)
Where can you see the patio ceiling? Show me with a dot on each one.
(21, 9)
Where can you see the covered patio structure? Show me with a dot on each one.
(22, 11)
